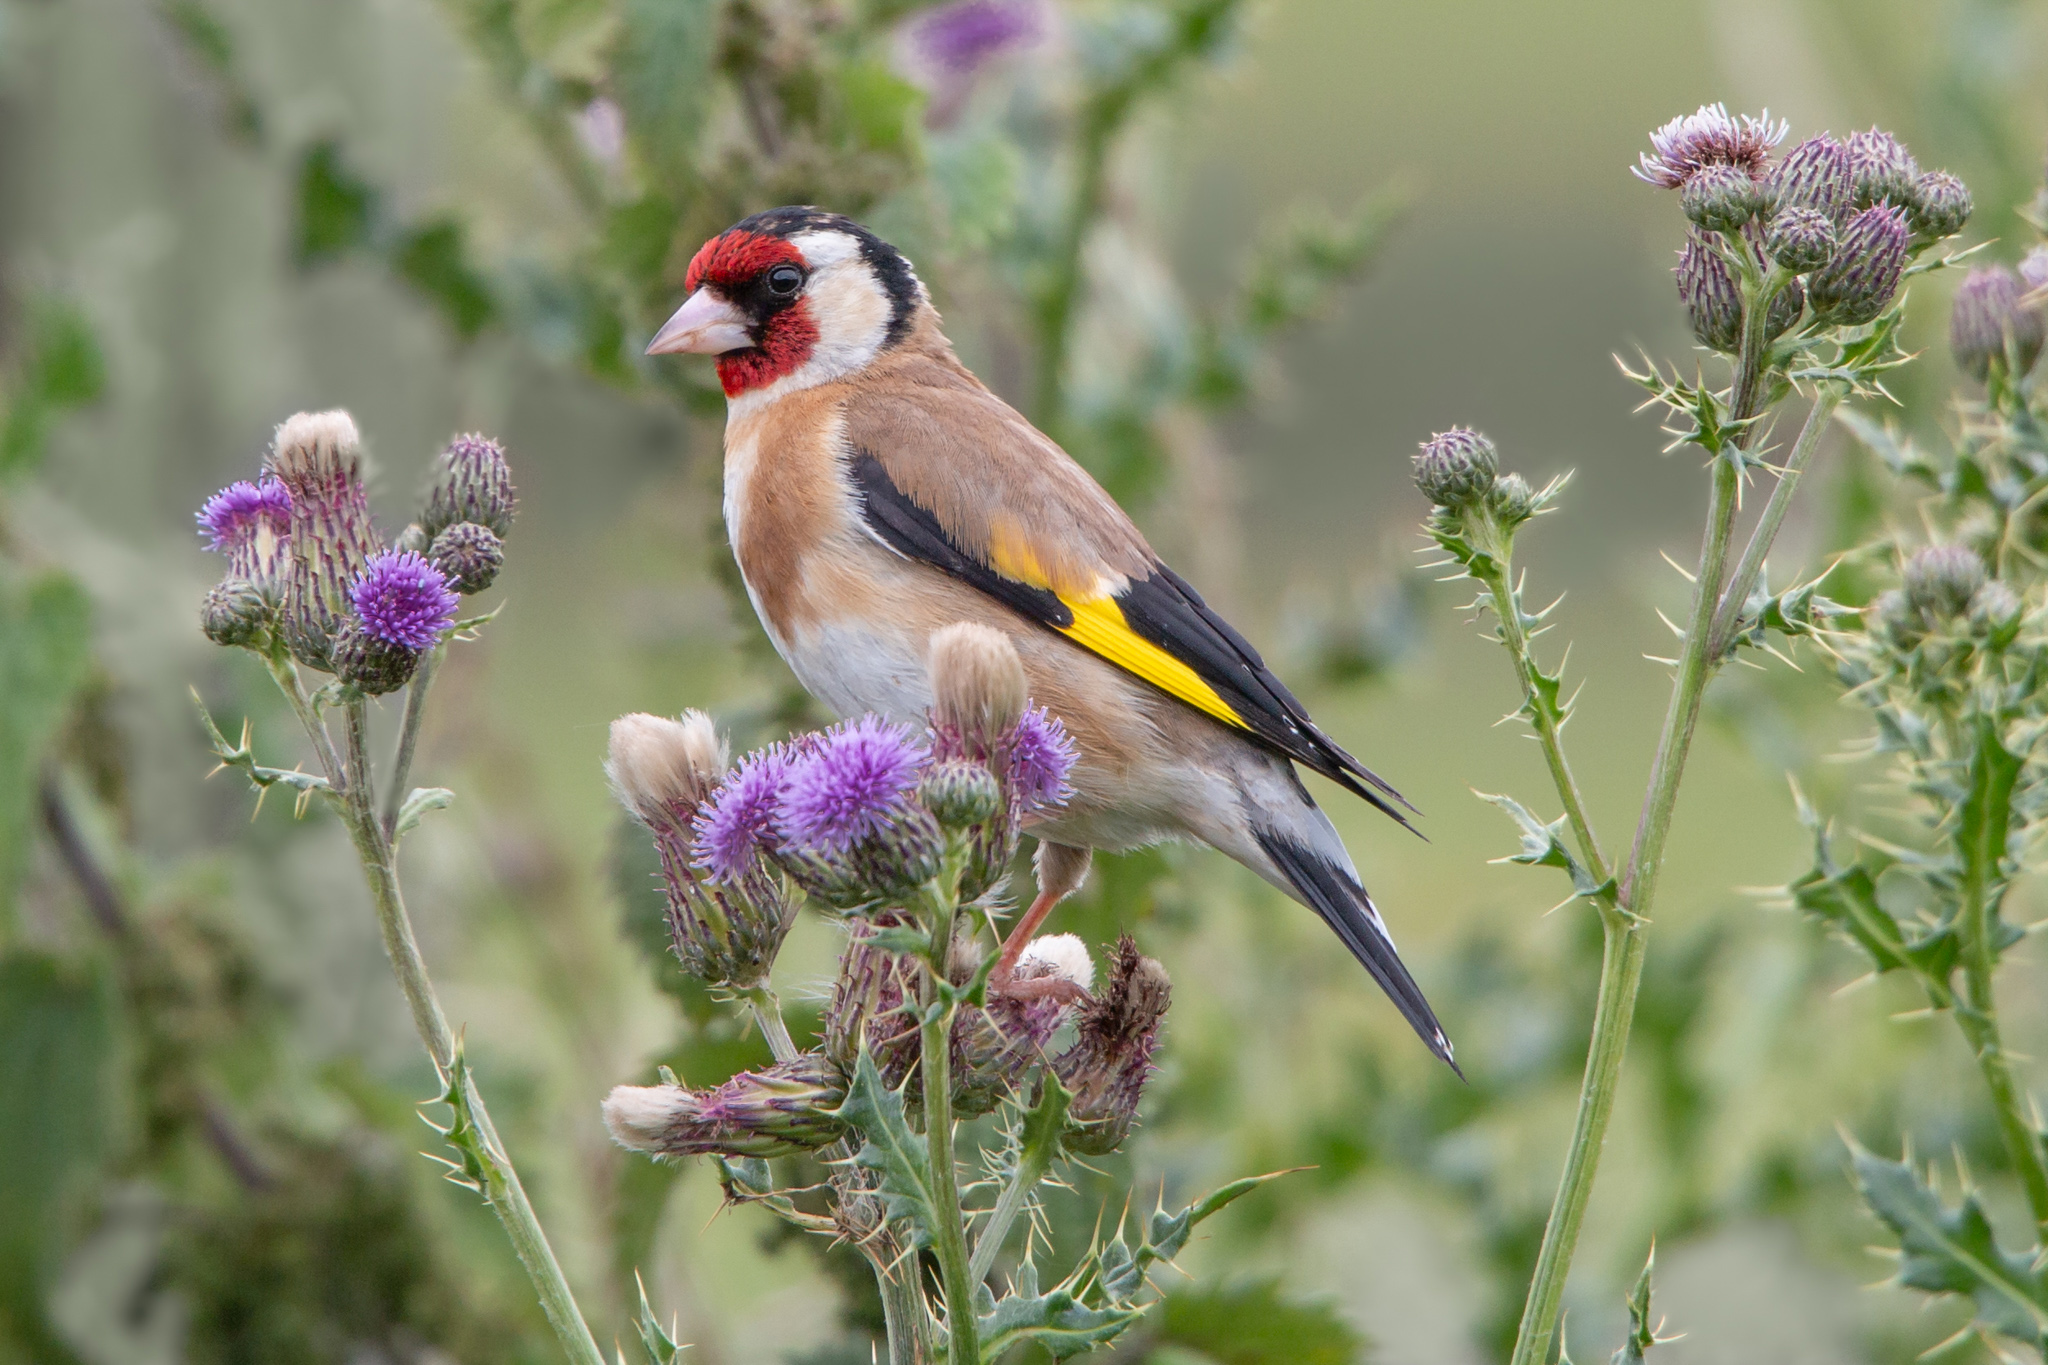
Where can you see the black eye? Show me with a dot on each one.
(785, 280)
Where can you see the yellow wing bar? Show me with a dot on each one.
(1099, 626)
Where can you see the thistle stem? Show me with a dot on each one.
(902, 1312)
(949, 1241)
(286, 675)
(1751, 564)
(506, 1196)
(409, 736)
(1008, 1206)
(767, 1011)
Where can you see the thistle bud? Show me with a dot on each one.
(1881, 170)
(1941, 580)
(873, 1001)
(1721, 198)
(1712, 303)
(1988, 324)
(1939, 207)
(783, 1110)
(1111, 1059)
(469, 554)
(977, 687)
(234, 613)
(995, 1048)
(1814, 175)
(1801, 239)
(960, 794)
(1786, 306)
(1893, 617)
(317, 456)
(1511, 500)
(369, 663)
(1455, 468)
(1995, 612)
(471, 483)
(664, 770)
(1858, 283)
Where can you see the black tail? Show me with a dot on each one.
(1332, 893)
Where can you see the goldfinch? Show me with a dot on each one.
(877, 492)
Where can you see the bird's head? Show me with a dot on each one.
(792, 294)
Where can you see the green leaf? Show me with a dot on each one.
(418, 802)
(660, 1342)
(56, 1089)
(1055, 1320)
(1543, 846)
(1984, 820)
(892, 1151)
(1641, 1335)
(1254, 1324)
(1894, 448)
(434, 260)
(1845, 898)
(337, 210)
(881, 107)
(661, 75)
(45, 653)
(1953, 1250)
(979, 179)
(59, 367)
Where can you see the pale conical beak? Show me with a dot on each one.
(705, 325)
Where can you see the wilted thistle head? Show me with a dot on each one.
(1111, 1058)
(1801, 239)
(1713, 305)
(1858, 283)
(977, 687)
(317, 456)
(471, 483)
(1721, 198)
(1881, 170)
(1708, 137)
(1940, 580)
(1940, 206)
(1814, 175)
(1989, 325)
(1455, 468)
(251, 524)
(664, 770)
(781, 1110)
(998, 1046)
(470, 554)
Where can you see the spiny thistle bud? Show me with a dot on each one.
(1988, 325)
(368, 662)
(1881, 170)
(1995, 612)
(1941, 580)
(234, 613)
(1940, 206)
(469, 554)
(1894, 618)
(977, 687)
(1713, 305)
(1111, 1059)
(873, 1001)
(471, 483)
(1858, 284)
(664, 770)
(1721, 198)
(960, 793)
(1511, 500)
(318, 457)
(1708, 137)
(783, 1110)
(403, 600)
(1814, 175)
(1455, 468)
(1801, 239)
(1786, 306)
(251, 524)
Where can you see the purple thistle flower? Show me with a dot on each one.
(851, 785)
(961, 37)
(739, 818)
(403, 600)
(1709, 137)
(232, 518)
(1039, 756)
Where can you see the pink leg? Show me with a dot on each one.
(1061, 870)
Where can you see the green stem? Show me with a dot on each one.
(768, 1017)
(902, 1312)
(1008, 1206)
(507, 1197)
(286, 674)
(949, 1242)
(1743, 580)
(409, 736)
(1625, 925)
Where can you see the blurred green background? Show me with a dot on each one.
(166, 174)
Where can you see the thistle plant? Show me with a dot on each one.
(1791, 274)
(1951, 667)
(905, 839)
(312, 585)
